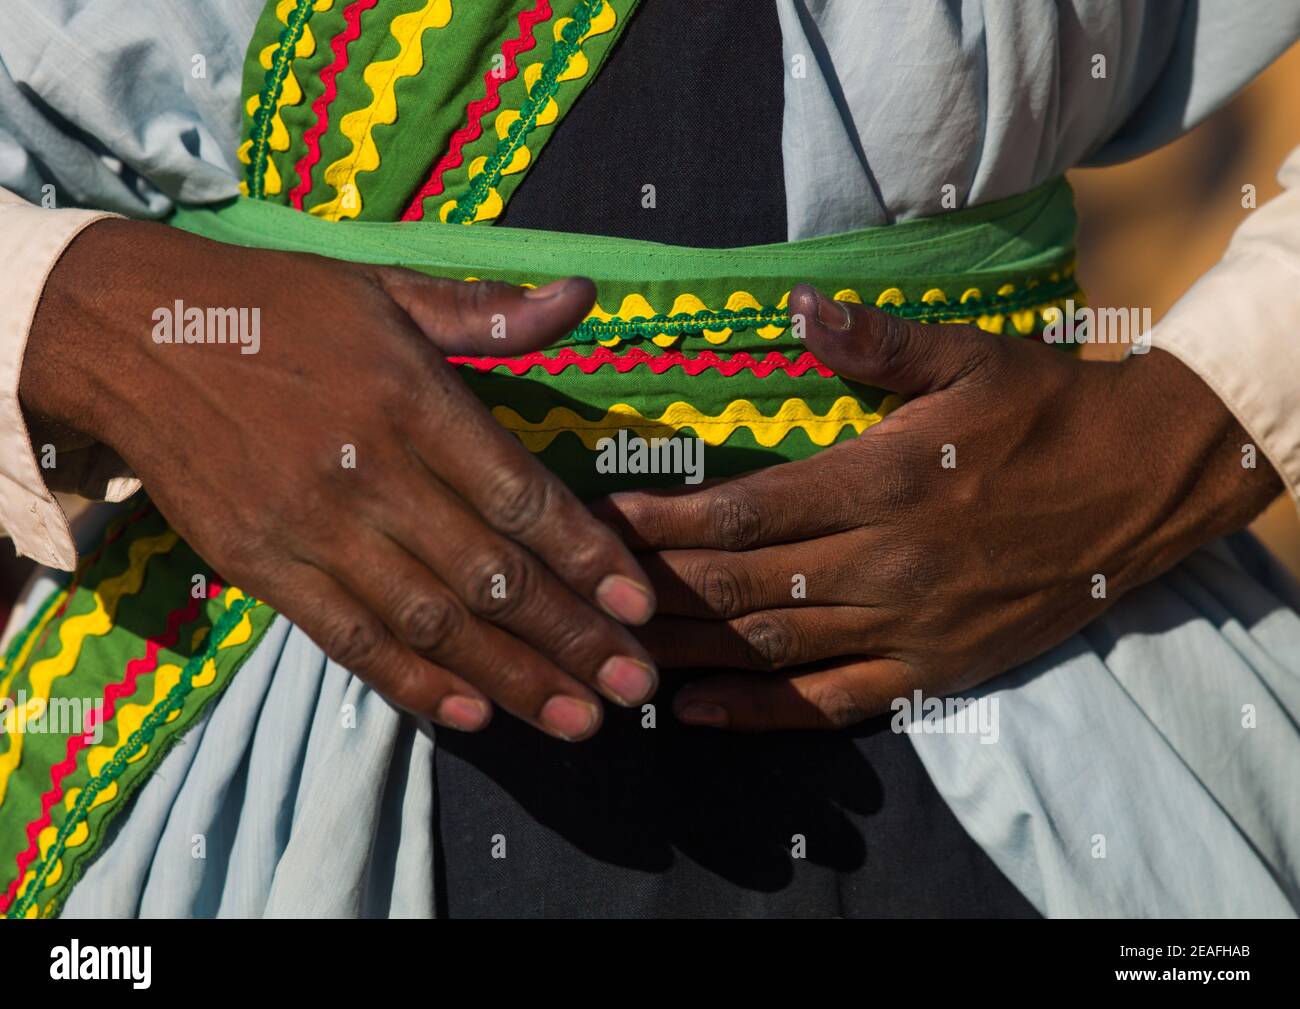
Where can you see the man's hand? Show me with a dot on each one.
(1014, 497)
(446, 567)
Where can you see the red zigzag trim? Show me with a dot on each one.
(328, 75)
(658, 363)
(476, 110)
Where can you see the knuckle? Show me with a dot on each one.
(837, 707)
(517, 502)
(568, 636)
(427, 621)
(720, 590)
(735, 518)
(889, 344)
(352, 640)
(590, 557)
(497, 583)
(771, 641)
(476, 299)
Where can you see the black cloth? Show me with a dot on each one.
(671, 821)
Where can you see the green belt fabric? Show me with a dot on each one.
(687, 342)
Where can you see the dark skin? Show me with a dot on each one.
(916, 575)
(389, 566)
(921, 576)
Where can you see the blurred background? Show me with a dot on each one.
(1150, 227)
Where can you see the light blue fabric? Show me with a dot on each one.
(99, 99)
(1130, 731)
(1166, 731)
(313, 796)
(888, 103)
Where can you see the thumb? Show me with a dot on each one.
(487, 316)
(874, 347)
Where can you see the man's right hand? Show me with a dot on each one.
(448, 568)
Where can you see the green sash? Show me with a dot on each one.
(697, 342)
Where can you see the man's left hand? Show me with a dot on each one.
(1015, 496)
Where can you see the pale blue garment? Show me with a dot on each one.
(1130, 731)
(993, 97)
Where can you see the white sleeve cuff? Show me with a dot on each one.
(1238, 328)
(31, 241)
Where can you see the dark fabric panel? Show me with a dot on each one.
(690, 103)
(673, 821)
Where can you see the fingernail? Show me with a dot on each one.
(832, 314)
(464, 713)
(626, 680)
(625, 600)
(699, 713)
(569, 718)
(546, 290)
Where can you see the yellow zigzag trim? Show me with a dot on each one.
(822, 429)
(290, 94)
(128, 720)
(359, 126)
(25, 652)
(577, 68)
(72, 635)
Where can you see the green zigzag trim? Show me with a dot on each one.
(752, 318)
(543, 91)
(269, 97)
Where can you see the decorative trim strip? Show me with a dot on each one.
(137, 742)
(321, 106)
(635, 357)
(476, 110)
(20, 648)
(114, 692)
(636, 318)
(131, 717)
(75, 630)
(481, 200)
(822, 429)
(359, 126)
(269, 99)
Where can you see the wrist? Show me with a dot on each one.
(1200, 475)
(85, 345)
